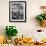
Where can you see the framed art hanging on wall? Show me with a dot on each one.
(17, 11)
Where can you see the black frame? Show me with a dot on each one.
(9, 11)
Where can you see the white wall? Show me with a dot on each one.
(33, 8)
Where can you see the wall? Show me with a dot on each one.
(33, 8)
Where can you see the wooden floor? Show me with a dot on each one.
(31, 45)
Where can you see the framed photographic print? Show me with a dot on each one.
(17, 11)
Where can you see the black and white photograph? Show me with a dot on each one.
(17, 11)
